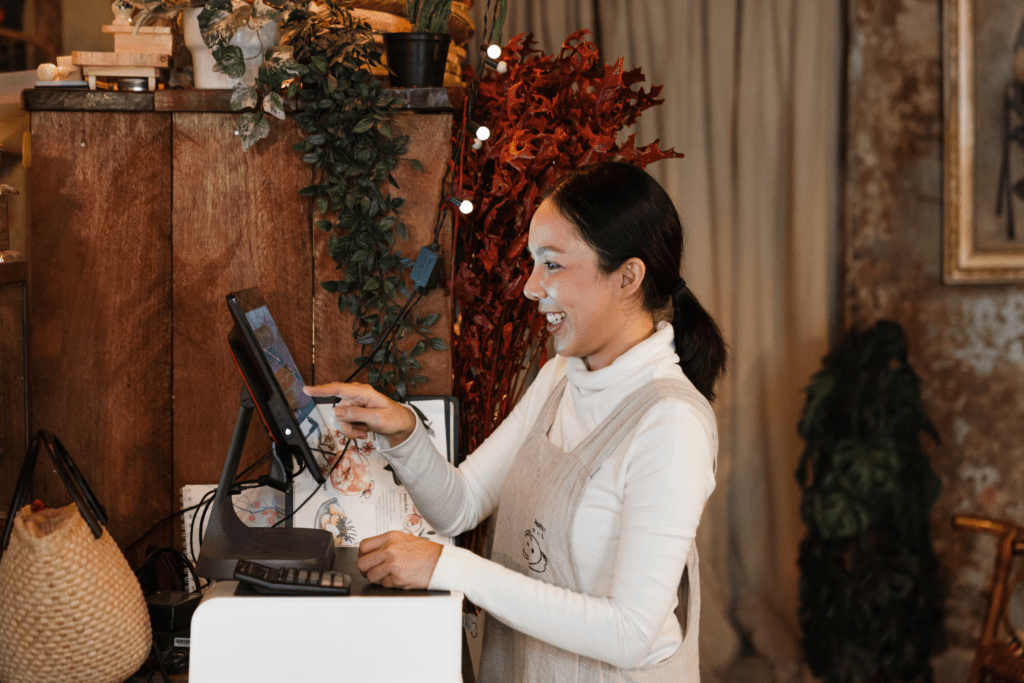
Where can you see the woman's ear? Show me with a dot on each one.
(632, 274)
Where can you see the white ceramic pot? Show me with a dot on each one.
(252, 43)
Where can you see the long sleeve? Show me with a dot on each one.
(452, 499)
(634, 528)
(625, 611)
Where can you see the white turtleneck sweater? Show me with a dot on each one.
(633, 531)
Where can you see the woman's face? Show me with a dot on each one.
(587, 310)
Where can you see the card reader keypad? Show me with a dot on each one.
(292, 580)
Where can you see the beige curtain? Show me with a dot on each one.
(751, 97)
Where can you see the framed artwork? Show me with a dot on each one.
(983, 118)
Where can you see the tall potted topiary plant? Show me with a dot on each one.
(870, 603)
(417, 59)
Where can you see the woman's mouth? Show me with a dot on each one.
(555, 321)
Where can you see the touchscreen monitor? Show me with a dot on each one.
(272, 378)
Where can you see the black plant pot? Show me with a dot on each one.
(417, 59)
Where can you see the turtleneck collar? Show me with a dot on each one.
(653, 350)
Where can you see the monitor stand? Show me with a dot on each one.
(228, 539)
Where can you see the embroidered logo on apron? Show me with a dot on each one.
(533, 549)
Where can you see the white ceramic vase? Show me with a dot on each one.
(252, 43)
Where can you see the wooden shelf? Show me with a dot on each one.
(421, 100)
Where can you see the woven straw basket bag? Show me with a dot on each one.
(70, 607)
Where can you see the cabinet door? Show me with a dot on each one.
(99, 251)
(238, 222)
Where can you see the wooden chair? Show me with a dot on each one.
(999, 653)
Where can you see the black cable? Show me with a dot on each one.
(369, 357)
(313, 492)
(207, 500)
(184, 510)
(173, 551)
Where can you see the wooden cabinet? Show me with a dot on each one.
(145, 213)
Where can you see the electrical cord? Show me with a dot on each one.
(417, 295)
(313, 492)
(184, 510)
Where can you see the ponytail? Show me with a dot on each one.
(699, 342)
(622, 213)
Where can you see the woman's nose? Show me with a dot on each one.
(532, 289)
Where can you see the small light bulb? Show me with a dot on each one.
(502, 67)
(465, 206)
(494, 51)
(483, 133)
(477, 144)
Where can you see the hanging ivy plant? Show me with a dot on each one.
(323, 65)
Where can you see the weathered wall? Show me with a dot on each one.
(966, 341)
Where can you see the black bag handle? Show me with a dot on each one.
(94, 514)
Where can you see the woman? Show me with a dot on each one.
(600, 473)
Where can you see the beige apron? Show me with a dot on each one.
(533, 535)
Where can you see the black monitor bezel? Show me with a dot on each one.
(259, 379)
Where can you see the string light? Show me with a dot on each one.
(482, 132)
(501, 67)
(465, 206)
(494, 51)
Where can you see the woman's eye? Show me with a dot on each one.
(549, 266)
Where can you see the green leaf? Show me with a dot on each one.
(310, 191)
(243, 97)
(429, 320)
(420, 347)
(230, 60)
(321, 204)
(438, 344)
(416, 165)
(252, 128)
(330, 286)
(274, 105)
(361, 127)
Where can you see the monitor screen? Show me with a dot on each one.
(273, 379)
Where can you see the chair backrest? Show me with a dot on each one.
(999, 656)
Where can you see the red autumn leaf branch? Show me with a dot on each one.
(548, 114)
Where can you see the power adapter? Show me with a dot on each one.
(427, 270)
(172, 610)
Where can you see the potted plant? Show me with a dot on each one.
(227, 39)
(417, 59)
(870, 600)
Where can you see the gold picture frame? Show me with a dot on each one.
(977, 70)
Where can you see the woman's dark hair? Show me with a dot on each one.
(623, 213)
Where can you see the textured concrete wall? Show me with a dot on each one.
(967, 342)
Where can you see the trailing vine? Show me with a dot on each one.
(323, 65)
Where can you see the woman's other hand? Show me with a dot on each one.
(362, 409)
(398, 560)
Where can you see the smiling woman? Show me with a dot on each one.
(591, 314)
(599, 475)
(630, 225)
